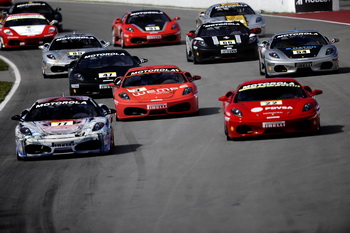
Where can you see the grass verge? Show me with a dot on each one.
(5, 86)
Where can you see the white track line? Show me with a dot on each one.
(15, 85)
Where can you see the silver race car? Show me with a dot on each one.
(235, 11)
(66, 48)
(297, 50)
(64, 125)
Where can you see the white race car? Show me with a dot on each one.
(64, 125)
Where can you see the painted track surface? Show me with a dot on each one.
(330, 16)
(180, 174)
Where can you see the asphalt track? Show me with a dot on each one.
(180, 174)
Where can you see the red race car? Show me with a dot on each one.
(144, 27)
(155, 90)
(270, 106)
(28, 29)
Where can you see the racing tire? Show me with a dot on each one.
(113, 38)
(261, 68)
(2, 47)
(195, 61)
(44, 75)
(122, 44)
(188, 57)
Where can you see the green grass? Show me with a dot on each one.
(5, 88)
(3, 65)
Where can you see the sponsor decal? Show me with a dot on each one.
(298, 34)
(157, 106)
(30, 4)
(239, 18)
(313, 5)
(268, 84)
(147, 13)
(257, 109)
(156, 91)
(29, 16)
(75, 38)
(153, 71)
(76, 53)
(68, 102)
(276, 124)
(224, 6)
(104, 55)
(137, 89)
(107, 75)
(271, 102)
(227, 42)
(61, 123)
(220, 24)
(152, 28)
(279, 108)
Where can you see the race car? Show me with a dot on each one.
(64, 49)
(144, 27)
(64, 125)
(270, 106)
(20, 30)
(297, 50)
(154, 91)
(221, 40)
(40, 7)
(235, 11)
(94, 70)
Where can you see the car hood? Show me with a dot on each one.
(151, 27)
(225, 41)
(63, 128)
(302, 51)
(156, 92)
(29, 30)
(273, 109)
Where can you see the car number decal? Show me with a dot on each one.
(61, 123)
(107, 75)
(271, 102)
(227, 42)
(152, 28)
(302, 51)
(75, 53)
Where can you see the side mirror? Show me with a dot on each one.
(191, 34)
(44, 46)
(196, 77)
(176, 18)
(255, 31)
(117, 21)
(16, 117)
(334, 40)
(316, 92)
(223, 98)
(53, 22)
(58, 9)
(105, 44)
(201, 14)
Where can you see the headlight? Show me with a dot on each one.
(130, 29)
(258, 20)
(98, 126)
(187, 91)
(274, 55)
(51, 56)
(252, 39)
(174, 26)
(8, 32)
(307, 107)
(124, 96)
(200, 43)
(79, 76)
(52, 29)
(25, 131)
(329, 51)
(237, 112)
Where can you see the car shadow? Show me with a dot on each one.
(118, 149)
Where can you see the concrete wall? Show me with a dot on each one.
(266, 5)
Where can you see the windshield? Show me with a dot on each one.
(146, 19)
(223, 30)
(106, 61)
(60, 110)
(289, 41)
(154, 79)
(75, 43)
(37, 8)
(237, 10)
(269, 93)
(25, 22)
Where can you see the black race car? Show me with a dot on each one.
(53, 15)
(91, 74)
(221, 40)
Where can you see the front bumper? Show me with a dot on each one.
(24, 41)
(62, 144)
(137, 39)
(248, 128)
(54, 67)
(185, 105)
(203, 54)
(277, 67)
